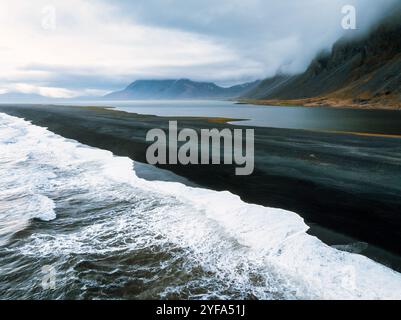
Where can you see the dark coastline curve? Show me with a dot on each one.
(354, 194)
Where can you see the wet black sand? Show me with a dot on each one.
(347, 187)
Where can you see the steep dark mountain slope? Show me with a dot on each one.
(363, 72)
(178, 89)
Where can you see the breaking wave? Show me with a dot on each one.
(110, 234)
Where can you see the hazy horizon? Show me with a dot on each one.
(66, 49)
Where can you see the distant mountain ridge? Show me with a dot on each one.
(359, 72)
(178, 89)
(19, 97)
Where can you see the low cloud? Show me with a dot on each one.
(98, 46)
(51, 92)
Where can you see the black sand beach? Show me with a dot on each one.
(346, 187)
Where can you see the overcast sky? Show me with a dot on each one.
(93, 47)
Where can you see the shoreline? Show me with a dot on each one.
(234, 121)
(322, 103)
(321, 202)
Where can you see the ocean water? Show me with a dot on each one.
(327, 119)
(109, 234)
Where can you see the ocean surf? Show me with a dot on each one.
(110, 234)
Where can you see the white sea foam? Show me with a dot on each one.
(22, 191)
(259, 250)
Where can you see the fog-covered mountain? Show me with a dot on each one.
(363, 71)
(178, 89)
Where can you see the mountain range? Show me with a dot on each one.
(363, 71)
(179, 89)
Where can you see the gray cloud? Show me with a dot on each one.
(269, 33)
(105, 45)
